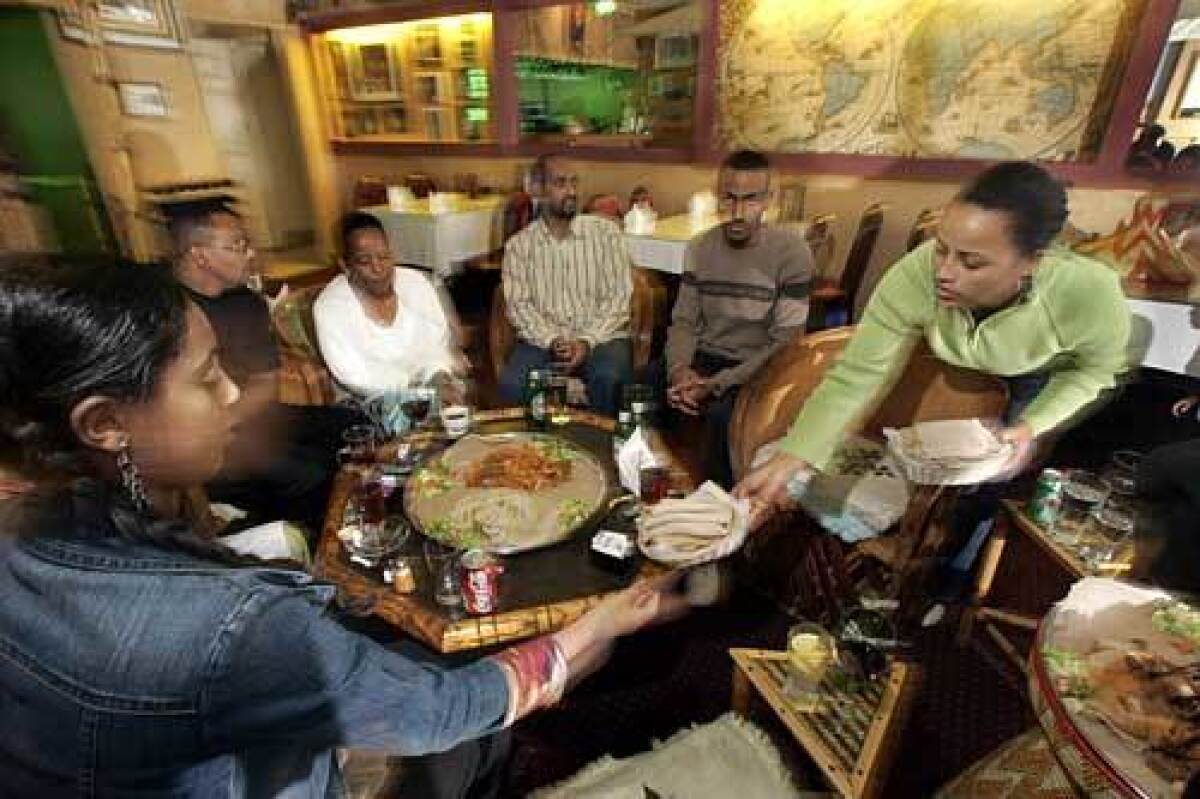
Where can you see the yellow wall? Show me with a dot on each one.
(127, 152)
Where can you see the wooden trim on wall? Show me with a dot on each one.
(507, 94)
(351, 18)
(411, 148)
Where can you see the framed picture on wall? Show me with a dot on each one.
(144, 23)
(374, 74)
(437, 124)
(431, 88)
(674, 52)
(142, 99)
(428, 42)
(395, 120)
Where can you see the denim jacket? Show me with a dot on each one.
(131, 670)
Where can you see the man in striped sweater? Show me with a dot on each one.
(744, 295)
(567, 285)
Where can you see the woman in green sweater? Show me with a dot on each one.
(988, 293)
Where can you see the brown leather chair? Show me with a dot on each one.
(811, 572)
(647, 311)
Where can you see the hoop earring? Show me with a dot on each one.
(131, 479)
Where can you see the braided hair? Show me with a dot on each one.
(68, 332)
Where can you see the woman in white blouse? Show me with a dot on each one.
(382, 328)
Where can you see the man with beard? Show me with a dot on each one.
(567, 285)
(744, 294)
(382, 328)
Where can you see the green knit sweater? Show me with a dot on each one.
(1073, 324)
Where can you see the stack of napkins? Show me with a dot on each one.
(706, 525)
(949, 451)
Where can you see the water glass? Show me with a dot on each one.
(416, 403)
(1083, 492)
(444, 567)
(1113, 527)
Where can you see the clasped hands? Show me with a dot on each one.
(688, 390)
(569, 353)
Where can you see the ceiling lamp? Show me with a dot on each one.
(605, 7)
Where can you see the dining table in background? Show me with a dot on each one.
(1166, 325)
(663, 249)
(441, 239)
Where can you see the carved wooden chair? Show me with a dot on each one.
(807, 570)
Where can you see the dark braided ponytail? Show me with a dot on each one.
(69, 332)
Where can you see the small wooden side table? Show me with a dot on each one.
(851, 735)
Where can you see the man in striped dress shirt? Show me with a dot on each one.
(744, 294)
(567, 285)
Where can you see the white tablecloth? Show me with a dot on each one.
(441, 242)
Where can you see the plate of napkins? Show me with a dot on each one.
(949, 451)
(706, 525)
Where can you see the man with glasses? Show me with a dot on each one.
(744, 294)
(283, 460)
(382, 328)
(567, 285)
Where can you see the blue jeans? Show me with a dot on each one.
(607, 368)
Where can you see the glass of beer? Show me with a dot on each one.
(811, 652)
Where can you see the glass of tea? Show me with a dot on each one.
(358, 444)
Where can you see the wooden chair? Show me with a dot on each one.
(420, 185)
(923, 227)
(303, 377)
(648, 308)
(808, 570)
(830, 305)
(369, 190)
(605, 205)
(819, 234)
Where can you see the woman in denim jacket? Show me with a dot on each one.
(138, 657)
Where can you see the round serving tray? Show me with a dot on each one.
(504, 520)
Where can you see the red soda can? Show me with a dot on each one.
(480, 581)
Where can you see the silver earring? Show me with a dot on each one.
(131, 480)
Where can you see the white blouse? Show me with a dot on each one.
(367, 358)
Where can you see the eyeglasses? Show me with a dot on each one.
(241, 246)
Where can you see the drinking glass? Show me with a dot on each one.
(442, 561)
(358, 444)
(1113, 528)
(557, 409)
(1083, 492)
(811, 651)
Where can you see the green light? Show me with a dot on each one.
(477, 115)
(605, 7)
